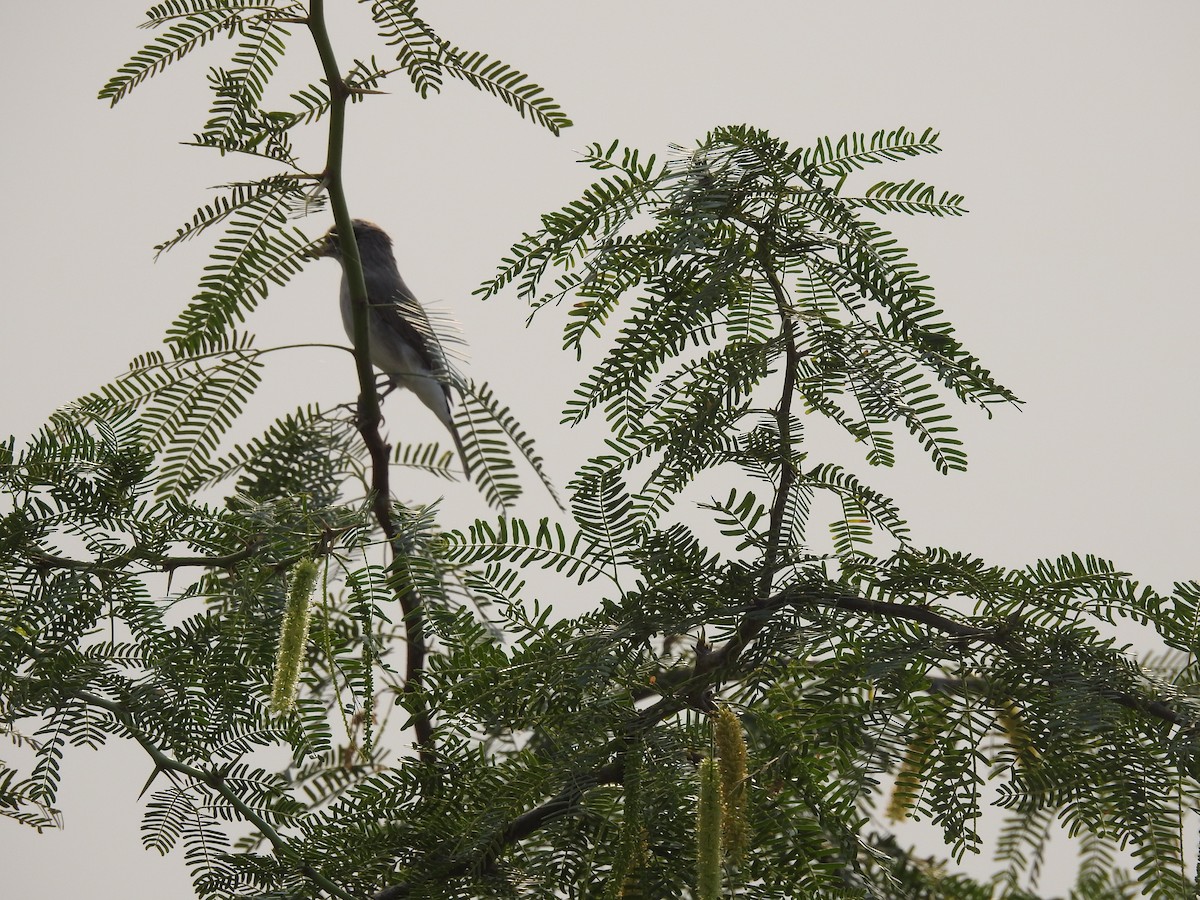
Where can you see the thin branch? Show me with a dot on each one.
(711, 667)
(561, 804)
(880, 608)
(217, 782)
(750, 625)
(787, 473)
(170, 564)
(164, 563)
(369, 417)
(42, 560)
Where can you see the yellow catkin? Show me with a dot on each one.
(909, 778)
(730, 742)
(631, 884)
(1012, 723)
(293, 635)
(708, 833)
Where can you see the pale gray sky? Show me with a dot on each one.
(1070, 126)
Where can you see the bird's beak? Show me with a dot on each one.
(318, 250)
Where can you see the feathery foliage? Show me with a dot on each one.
(454, 733)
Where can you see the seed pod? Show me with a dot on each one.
(910, 779)
(730, 742)
(708, 833)
(293, 635)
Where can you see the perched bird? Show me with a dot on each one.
(403, 344)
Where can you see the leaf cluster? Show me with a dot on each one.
(728, 304)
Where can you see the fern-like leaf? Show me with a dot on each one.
(193, 32)
(857, 150)
(506, 83)
(255, 252)
(417, 45)
(488, 428)
(912, 197)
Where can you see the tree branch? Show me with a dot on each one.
(725, 659)
(369, 417)
(561, 804)
(217, 782)
(709, 669)
(787, 473)
(161, 562)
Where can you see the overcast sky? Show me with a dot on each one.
(1071, 127)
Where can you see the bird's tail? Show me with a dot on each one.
(462, 452)
(436, 396)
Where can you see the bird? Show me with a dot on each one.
(402, 343)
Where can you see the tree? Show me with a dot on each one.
(744, 298)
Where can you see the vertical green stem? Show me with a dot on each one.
(369, 417)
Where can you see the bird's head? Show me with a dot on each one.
(369, 237)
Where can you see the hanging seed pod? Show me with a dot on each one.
(293, 635)
(708, 833)
(730, 742)
(910, 779)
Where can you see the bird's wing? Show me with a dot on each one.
(406, 318)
